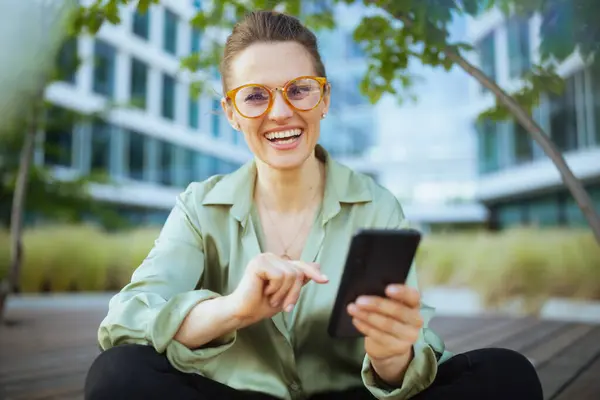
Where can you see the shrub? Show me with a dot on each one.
(530, 263)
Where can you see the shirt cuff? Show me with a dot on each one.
(167, 323)
(419, 375)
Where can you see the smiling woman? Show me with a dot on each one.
(234, 299)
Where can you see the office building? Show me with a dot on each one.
(516, 180)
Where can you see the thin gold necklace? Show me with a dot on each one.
(285, 254)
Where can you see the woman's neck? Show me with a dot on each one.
(291, 190)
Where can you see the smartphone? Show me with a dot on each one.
(376, 258)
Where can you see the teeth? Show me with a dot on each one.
(283, 134)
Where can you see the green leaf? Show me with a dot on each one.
(111, 12)
(144, 5)
(192, 62)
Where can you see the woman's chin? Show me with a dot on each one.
(288, 160)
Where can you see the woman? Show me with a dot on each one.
(233, 300)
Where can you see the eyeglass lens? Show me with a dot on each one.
(303, 94)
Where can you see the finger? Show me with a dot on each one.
(294, 293)
(406, 294)
(382, 338)
(391, 308)
(272, 275)
(385, 324)
(311, 271)
(290, 275)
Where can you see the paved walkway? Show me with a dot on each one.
(46, 354)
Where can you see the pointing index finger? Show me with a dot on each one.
(311, 270)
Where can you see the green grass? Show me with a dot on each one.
(521, 263)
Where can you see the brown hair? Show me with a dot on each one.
(268, 26)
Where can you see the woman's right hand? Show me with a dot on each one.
(270, 285)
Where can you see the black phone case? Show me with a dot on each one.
(376, 258)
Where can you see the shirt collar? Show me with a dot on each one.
(342, 185)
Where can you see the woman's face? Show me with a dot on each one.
(273, 65)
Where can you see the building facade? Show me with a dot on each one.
(516, 180)
(164, 138)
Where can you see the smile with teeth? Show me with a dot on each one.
(284, 137)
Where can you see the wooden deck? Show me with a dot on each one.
(46, 354)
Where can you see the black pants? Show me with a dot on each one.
(134, 372)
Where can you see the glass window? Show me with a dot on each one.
(488, 146)
(510, 215)
(190, 167)
(594, 192)
(213, 165)
(104, 69)
(563, 117)
(68, 60)
(100, 151)
(573, 213)
(168, 97)
(518, 46)
(170, 32)
(193, 113)
(58, 144)
(544, 211)
(215, 121)
(141, 24)
(166, 164)
(200, 166)
(139, 83)
(137, 155)
(522, 144)
(595, 89)
(487, 56)
(195, 41)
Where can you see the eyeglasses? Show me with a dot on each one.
(254, 100)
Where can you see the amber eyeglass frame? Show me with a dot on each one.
(230, 95)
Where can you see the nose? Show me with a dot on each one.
(280, 111)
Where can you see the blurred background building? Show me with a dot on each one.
(447, 170)
(516, 180)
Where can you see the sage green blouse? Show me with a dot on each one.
(201, 252)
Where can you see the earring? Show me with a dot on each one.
(323, 115)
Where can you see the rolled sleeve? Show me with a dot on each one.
(420, 373)
(163, 290)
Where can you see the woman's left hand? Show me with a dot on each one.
(390, 324)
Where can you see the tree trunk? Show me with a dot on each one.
(537, 133)
(10, 284)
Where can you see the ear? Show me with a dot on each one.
(230, 113)
(326, 100)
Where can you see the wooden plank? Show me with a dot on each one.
(543, 352)
(448, 327)
(584, 386)
(51, 388)
(496, 334)
(556, 374)
(533, 336)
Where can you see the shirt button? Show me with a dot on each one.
(295, 387)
